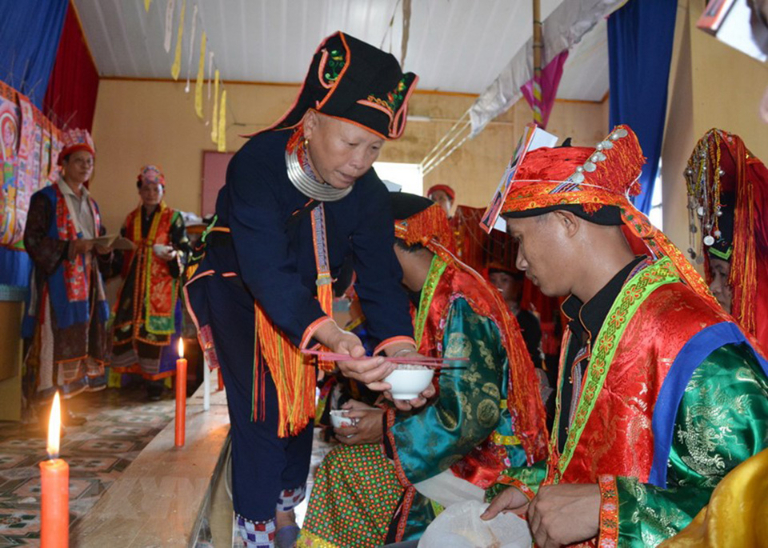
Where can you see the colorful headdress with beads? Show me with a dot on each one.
(419, 220)
(74, 140)
(357, 82)
(728, 216)
(151, 174)
(595, 183)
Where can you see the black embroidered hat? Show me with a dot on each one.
(357, 82)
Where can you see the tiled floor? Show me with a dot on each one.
(120, 423)
(320, 448)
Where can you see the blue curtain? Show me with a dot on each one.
(29, 38)
(640, 38)
(15, 269)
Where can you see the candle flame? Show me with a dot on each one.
(54, 428)
(181, 347)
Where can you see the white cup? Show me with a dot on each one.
(339, 418)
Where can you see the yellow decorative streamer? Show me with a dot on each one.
(176, 68)
(215, 121)
(199, 82)
(147, 4)
(222, 144)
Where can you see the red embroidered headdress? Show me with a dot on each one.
(151, 174)
(585, 181)
(74, 140)
(428, 227)
(728, 203)
(445, 188)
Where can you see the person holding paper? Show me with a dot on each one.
(394, 469)
(148, 309)
(660, 392)
(67, 311)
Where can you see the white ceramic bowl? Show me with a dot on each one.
(407, 384)
(339, 418)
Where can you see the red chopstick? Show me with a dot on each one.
(425, 361)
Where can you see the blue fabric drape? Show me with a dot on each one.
(15, 268)
(640, 38)
(29, 38)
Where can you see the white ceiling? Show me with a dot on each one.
(454, 45)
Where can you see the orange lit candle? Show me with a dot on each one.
(181, 396)
(54, 479)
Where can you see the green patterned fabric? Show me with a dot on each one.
(530, 477)
(468, 409)
(721, 422)
(357, 486)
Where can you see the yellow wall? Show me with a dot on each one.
(140, 122)
(711, 85)
(10, 360)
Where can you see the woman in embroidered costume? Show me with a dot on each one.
(660, 393)
(148, 311)
(728, 215)
(67, 310)
(300, 198)
(389, 478)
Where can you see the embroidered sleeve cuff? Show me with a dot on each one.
(393, 340)
(520, 485)
(609, 512)
(309, 332)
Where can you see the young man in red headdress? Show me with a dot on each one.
(393, 469)
(301, 198)
(67, 311)
(660, 393)
(148, 311)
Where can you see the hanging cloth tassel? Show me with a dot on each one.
(176, 67)
(293, 372)
(743, 276)
(215, 120)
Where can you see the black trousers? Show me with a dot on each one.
(263, 464)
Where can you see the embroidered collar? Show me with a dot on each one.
(589, 317)
(302, 175)
(436, 269)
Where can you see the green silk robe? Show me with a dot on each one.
(720, 421)
(358, 488)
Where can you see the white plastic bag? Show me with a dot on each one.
(460, 526)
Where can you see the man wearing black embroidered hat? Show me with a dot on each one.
(300, 197)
